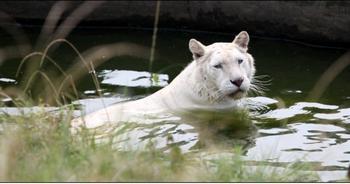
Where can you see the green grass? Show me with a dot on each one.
(40, 147)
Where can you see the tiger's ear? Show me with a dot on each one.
(197, 48)
(242, 40)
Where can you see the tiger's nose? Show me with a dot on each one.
(237, 82)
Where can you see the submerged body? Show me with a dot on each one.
(219, 75)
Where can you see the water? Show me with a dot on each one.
(284, 125)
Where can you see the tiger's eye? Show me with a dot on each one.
(218, 66)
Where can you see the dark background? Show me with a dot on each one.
(315, 22)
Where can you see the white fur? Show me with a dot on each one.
(199, 86)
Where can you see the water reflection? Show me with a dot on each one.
(200, 130)
(297, 109)
(7, 80)
(218, 130)
(307, 142)
(341, 114)
(326, 145)
(133, 78)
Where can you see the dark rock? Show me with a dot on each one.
(311, 21)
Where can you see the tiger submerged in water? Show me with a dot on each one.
(219, 75)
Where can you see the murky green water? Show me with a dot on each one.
(284, 126)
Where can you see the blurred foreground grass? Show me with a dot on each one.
(40, 147)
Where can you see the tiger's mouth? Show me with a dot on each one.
(238, 94)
